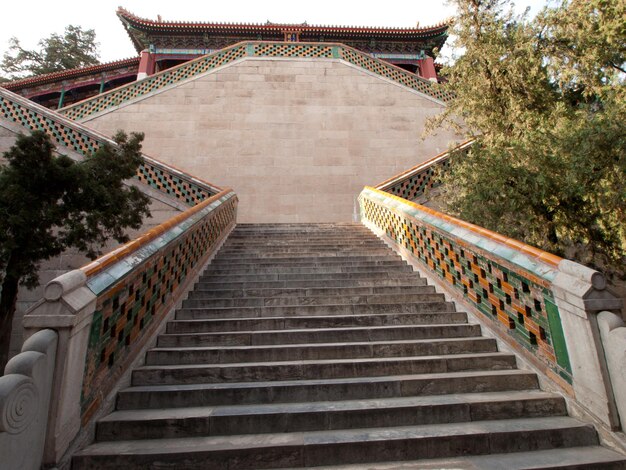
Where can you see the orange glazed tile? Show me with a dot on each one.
(503, 318)
(550, 258)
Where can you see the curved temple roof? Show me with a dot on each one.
(141, 30)
(70, 74)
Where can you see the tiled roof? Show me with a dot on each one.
(160, 26)
(69, 74)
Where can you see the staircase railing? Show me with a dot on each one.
(163, 80)
(27, 115)
(413, 183)
(108, 311)
(543, 306)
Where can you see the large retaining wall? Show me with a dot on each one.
(296, 138)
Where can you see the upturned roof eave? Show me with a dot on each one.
(134, 23)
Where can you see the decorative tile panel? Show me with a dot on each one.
(292, 50)
(153, 83)
(518, 299)
(32, 117)
(395, 74)
(136, 292)
(412, 184)
(33, 120)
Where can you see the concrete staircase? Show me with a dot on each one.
(316, 346)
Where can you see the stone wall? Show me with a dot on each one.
(297, 139)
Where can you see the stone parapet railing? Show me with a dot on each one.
(171, 77)
(108, 311)
(413, 183)
(25, 391)
(545, 307)
(29, 116)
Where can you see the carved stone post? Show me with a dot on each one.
(67, 308)
(25, 391)
(580, 294)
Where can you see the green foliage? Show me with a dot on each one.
(50, 203)
(75, 48)
(544, 99)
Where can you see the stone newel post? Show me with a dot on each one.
(580, 294)
(67, 307)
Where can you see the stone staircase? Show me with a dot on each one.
(315, 345)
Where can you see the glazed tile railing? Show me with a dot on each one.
(539, 303)
(107, 311)
(167, 78)
(29, 116)
(413, 183)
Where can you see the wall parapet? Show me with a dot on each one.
(92, 106)
(413, 183)
(79, 139)
(107, 311)
(542, 304)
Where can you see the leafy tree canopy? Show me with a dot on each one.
(75, 48)
(545, 100)
(49, 203)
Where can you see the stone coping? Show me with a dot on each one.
(109, 268)
(385, 185)
(536, 261)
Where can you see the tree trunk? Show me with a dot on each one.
(8, 298)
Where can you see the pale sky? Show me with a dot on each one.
(30, 20)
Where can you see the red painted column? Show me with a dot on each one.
(427, 69)
(146, 64)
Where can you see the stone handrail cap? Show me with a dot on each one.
(65, 283)
(578, 271)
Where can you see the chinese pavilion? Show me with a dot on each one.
(169, 43)
(164, 44)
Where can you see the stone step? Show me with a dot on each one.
(304, 244)
(256, 451)
(310, 310)
(313, 263)
(300, 391)
(320, 321)
(569, 458)
(319, 335)
(306, 300)
(309, 345)
(333, 227)
(312, 292)
(317, 351)
(319, 416)
(349, 260)
(370, 276)
(351, 279)
(280, 254)
(318, 369)
(288, 250)
(321, 269)
(278, 233)
(413, 280)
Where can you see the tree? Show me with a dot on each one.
(544, 99)
(49, 203)
(75, 48)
